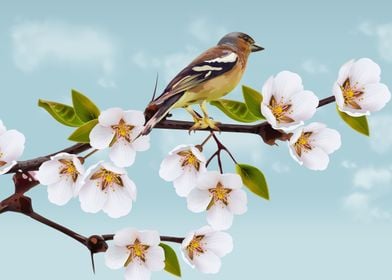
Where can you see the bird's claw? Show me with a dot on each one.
(204, 123)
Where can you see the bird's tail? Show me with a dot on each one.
(158, 115)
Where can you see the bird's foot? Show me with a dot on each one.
(203, 123)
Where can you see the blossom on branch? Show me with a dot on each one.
(138, 251)
(182, 166)
(221, 196)
(11, 147)
(311, 145)
(118, 130)
(63, 175)
(358, 90)
(204, 248)
(285, 103)
(108, 188)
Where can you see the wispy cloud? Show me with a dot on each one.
(36, 43)
(370, 177)
(381, 140)
(383, 35)
(348, 164)
(312, 66)
(206, 31)
(280, 167)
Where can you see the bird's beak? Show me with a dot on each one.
(256, 48)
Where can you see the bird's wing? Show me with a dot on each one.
(213, 62)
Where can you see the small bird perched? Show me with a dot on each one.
(212, 75)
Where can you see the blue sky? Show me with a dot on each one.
(334, 224)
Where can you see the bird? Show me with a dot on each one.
(210, 76)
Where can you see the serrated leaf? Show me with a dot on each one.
(81, 135)
(84, 108)
(359, 124)
(171, 261)
(253, 179)
(62, 113)
(253, 100)
(235, 110)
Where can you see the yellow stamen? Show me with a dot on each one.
(188, 158)
(136, 251)
(122, 130)
(303, 143)
(220, 193)
(107, 178)
(195, 246)
(69, 169)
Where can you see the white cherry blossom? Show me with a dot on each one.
(358, 90)
(108, 188)
(11, 147)
(182, 166)
(118, 130)
(286, 105)
(311, 145)
(138, 251)
(63, 174)
(221, 196)
(204, 248)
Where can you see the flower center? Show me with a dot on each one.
(195, 247)
(303, 143)
(220, 193)
(107, 178)
(69, 169)
(122, 130)
(136, 251)
(280, 110)
(188, 158)
(351, 94)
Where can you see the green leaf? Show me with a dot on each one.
(84, 107)
(81, 134)
(253, 100)
(359, 124)
(171, 261)
(235, 110)
(60, 112)
(254, 179)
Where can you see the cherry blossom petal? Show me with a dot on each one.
(60, 192)
(287, 83)
(141, 144)
(7, 167)
(199, 155)
(122, 154)
(111, 167)
(231, 180)
(207, 262)
(344, 72)
(198, 200)
(118, 204)
(337, 92)
(208, 180)
(49, 172)
(91, 197)
(364, 71)
(12, 145)
(2, 127)
(137, 271)
(101, 136)
(315, 159)
(327, 139)
(135, 118)
(186, 182)
(155, 258)
(116, 256)
(237, 202)
(220, 243)
(270, 118)
(375, 98)
(125, 237)
(304, 104)
(219, 217)
(268, 90)
(149, 237)
(170, 168)
(111, 117)
(130, 187)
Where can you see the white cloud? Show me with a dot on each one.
(280, 167)
(348, 164)
(361, 206)
(36, 43)
(383, 34)
(370, 177)
(206, 31)
(381, 134)
(314, 67)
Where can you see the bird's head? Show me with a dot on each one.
(240, 41)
